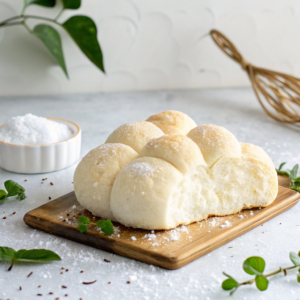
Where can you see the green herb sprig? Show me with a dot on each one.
(292, 174)
(81, 29)
(12, 189)
(105, 225)
(255, 265)
(26, 256)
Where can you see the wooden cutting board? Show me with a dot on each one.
(170, 249)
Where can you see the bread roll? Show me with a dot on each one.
(141, 191)
(178, 150)
(215, 142)
(146, 179)
(95, 175)
(135, 134)
(171, 122)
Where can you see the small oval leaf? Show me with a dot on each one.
(3, 196)
(294, 172)
(295, 258)
(254, 265)
(51, 40)
(7, 254)
(71, 4)
(46, 3)
(261, 282)
(82, 228)
(13, 188)
(84, 33)
(35, 255)
(83, 220)
(106, 226)
(229, 284)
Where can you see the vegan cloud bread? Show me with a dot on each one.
(167, 171)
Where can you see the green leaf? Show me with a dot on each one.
(13, 188)
(295, 188)
(298, 275)
(83, 220)
(229, 284)
(82, 228)
(46, 3)
(7, 254)
(3, 196)
(294, 172)
(71, 4)
(295, 258)
(254, 265)
(84, 33)
(21, 196)
(281, 165)
(106, 226)
(35, 255)
(283, 173)
(51, 40)
(261, 282)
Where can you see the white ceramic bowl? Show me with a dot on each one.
(42, 158)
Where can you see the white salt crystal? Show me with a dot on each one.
(150, 236)
(33, 130)
(133, 238)
(95, 184)
(241, 216)
(213, 222)
(226, 224)
(133, 277)
(174, 237)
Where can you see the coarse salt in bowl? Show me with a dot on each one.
(31, 144)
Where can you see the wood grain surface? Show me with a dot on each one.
(170, 249)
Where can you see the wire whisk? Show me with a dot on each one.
(278, 93)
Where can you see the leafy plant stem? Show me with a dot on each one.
(3, 23)
(59, 14)
(27, 27)
(12, 24)
(41, 18)
(270, 274)
(25, 17)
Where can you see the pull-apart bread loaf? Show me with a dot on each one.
(167, 171)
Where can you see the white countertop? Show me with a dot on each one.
(98, 115)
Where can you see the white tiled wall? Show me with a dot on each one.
(154, 44)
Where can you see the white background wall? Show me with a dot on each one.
(153, 44)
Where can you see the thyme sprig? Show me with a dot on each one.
(105, 225)
(255, 265)
(292, 174)
(12, 189)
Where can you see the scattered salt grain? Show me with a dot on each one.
(241, 216)
(174, 237)
(213, 222)
(95, 184)
(150, 236)
(133, 277)
(33, 130)
(226, 224)
(133, 238)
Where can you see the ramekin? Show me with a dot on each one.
(32, 159)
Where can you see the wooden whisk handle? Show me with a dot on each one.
(229, 48)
